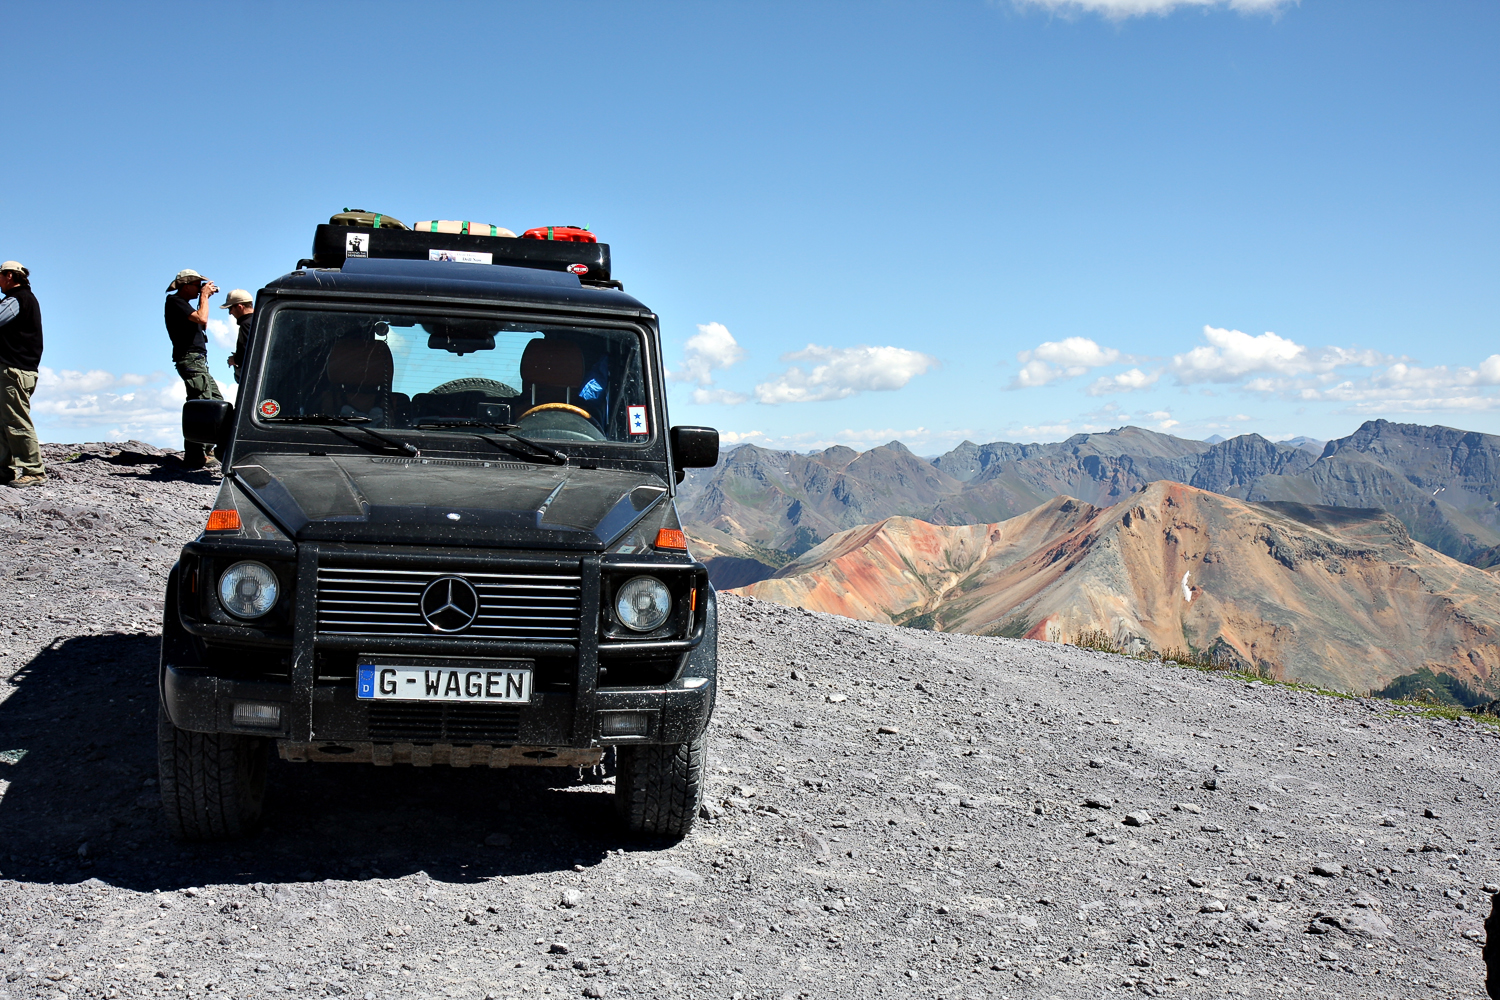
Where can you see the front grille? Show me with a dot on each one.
(526, 605)
(445, 723)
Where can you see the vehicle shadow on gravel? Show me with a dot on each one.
(78, 759)
(159, 468)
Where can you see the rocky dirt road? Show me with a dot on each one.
(893, 813)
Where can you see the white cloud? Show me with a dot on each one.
(226, 334)
(743, 437)
(1128, 381)
(728, 397)
(1072, 352)
(1119, 9)
(97, 404)
(1041, 432)
(1067, 358)
(1230, 355)
(1037, 373)
(1438, 404)
(840, 372)
(713, 348)
(1398, 388)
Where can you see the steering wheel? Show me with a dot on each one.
(559, 422)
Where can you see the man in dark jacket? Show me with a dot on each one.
(242, 307)
(20, 357)
(190, 348)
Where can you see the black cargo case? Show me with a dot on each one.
(330, 245)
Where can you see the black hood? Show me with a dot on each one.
(439, 501)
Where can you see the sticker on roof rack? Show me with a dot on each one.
(461, 256)
(356, 244)
(579, 268)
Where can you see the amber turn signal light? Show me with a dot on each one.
(671, 538)
(227, 520)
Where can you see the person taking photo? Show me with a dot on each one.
(185, 326)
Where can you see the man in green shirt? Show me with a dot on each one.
(185, 326)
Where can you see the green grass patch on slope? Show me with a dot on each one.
(1429, 687)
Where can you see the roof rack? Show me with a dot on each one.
(332, 245)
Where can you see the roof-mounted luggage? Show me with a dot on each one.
(335, 242)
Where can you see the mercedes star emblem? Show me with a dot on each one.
(450, 604)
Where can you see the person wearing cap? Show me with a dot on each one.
(241, 306)
(190, 349)
(20, 358)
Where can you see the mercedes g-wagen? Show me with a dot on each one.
(445, 535)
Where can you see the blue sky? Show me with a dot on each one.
(1010, 220)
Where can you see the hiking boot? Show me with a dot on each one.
(21, 482)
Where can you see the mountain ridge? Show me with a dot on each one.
(1440, 482)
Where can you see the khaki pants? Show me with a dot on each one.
(200, 385)
(20, 455)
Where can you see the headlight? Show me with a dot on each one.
(643, 603)
(248, 589)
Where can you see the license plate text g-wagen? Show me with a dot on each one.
(489, 683)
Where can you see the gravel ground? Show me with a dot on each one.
(891, 812)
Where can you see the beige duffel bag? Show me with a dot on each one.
(461, 228)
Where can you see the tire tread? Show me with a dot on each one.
(211, 784)
(658, 788)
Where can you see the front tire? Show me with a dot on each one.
(658, 788)
(212, 784)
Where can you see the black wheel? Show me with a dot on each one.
(658, 788)
(212, 784)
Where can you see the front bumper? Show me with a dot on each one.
(322, 719)
(197, 699)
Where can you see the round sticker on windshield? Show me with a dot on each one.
(269, 407)
(579, 268)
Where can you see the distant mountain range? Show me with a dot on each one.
(1337, 596)
(760, 508)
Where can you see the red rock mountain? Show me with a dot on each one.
(1329, 595)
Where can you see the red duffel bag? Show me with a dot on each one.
(570, 234)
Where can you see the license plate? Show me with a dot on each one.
(384, 682)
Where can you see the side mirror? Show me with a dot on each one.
(207, 421)
(695, 447)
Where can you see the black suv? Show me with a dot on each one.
(446, 535)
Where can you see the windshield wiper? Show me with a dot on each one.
(507, 429)
(357, 423)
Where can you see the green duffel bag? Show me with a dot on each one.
(359, 217)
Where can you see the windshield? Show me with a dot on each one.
(395, 370)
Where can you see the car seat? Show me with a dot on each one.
(359, 377)
(551, 372)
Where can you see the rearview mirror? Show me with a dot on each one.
(460, 345)
(207, 421)
(695, 447)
